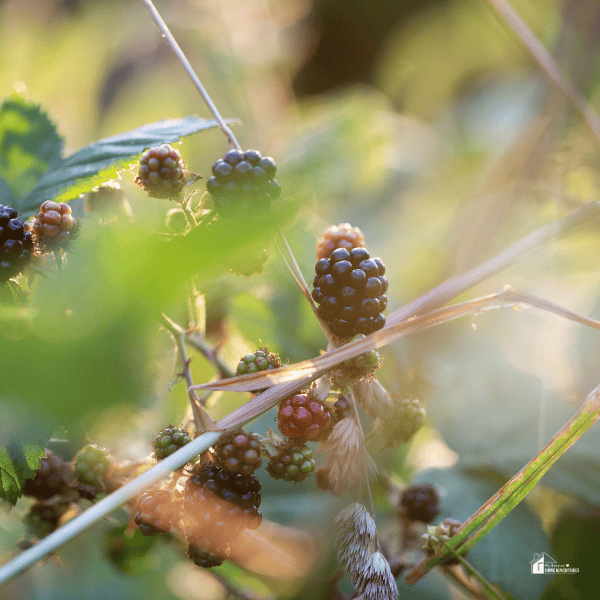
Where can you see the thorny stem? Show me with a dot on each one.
(190, 71)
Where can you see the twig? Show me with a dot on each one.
(195, 339)
(190, 71)
(548, 64)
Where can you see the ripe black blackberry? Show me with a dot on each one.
(293, 462)
(204, 558)
(52, 477)
(243, 184)
(156, 511)
(350, 288)
(169, 440)
(238, 452)
(420, 503)
(221, 504)
(162, 172)
(16, 244)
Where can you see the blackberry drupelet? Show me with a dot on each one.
(155, 511)
(420, 503)
(350, 288)
(238, 452)
(54, 225)
(220, 505)
(340, 236)
(243, 184)
(169, 440)
(204, 558)
(16, 244)
(162, 172)
(52, 477)
(342, 408)
(294, 462)
(304, 417)
(261, 360)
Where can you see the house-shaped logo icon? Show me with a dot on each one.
(539, 562)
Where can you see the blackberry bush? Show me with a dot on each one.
(293, 462)
(350, 288)
(339, 236)
(169, 440)
(420, 503)
(304, 417)
(54, 225)
(238, 452)
(52, 477)
(156, 511)
(91, 464)
(161, 172)
(16, 244)
(261, 360)
(243, 184)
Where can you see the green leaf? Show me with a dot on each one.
(6, 194)
(503, 555)
(128, 552)
(17, 464)
(29, 144)
(101, 161)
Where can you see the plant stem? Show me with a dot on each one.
(190, 71)
(100, 510)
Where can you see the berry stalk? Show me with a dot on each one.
(190, 71)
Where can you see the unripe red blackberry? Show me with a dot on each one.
(221, 503)
(238, 452)
(169, 440)
(293, 462)
(350, 288)
(204, 558)
(16, 244)
(52, 477)
(304, 417)
(243, 184)
(156, 511)
(91, 464)
(261, 360)
(340, 236)
(54, 225)
(420, 503)
(162, 172)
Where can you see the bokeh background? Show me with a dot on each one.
(426, 124)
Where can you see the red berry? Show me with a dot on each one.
(303, 417)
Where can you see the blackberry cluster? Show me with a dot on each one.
(220, 505)
(340, 236)
(293, 462)
(169, 440)
(161, 172)
(52, 477)
(91, 463)
(420, 503)
(261, 360)
(16, 244)
(238, 452)
(204, 558)
(155, 512)
(304, 417)
(54, 225)
(243, 183)
(354, 369)
(350, 288)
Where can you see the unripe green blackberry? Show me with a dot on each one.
(54, 225)
(238, 452)
(169, 440)
(16, 244)
(261, 360)
(350, 288)
(243, 184)
(52, 477)
(420, 503)
(355, 369)
(340, 236)
(43, 518)
(204, 558)
(436, 534)
(304, 417)
(156, 511)
(293, 462)
(161, 172)
(91, 464)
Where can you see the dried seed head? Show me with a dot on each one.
(376, 581)
(348, 460)
(374, 398)
(355, 532)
